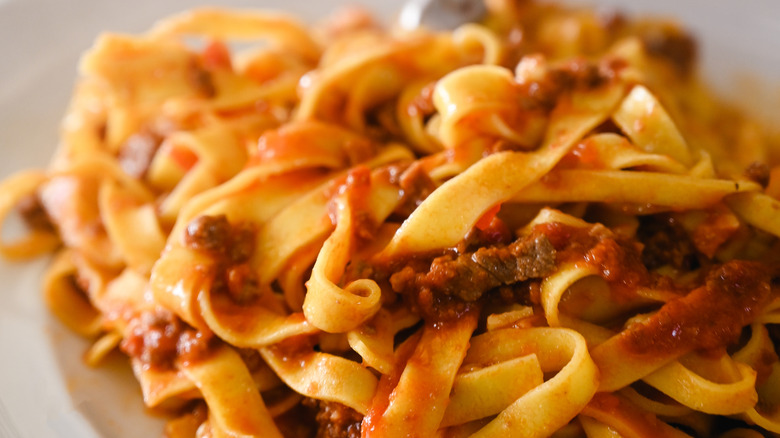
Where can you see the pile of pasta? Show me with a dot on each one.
(542, 224)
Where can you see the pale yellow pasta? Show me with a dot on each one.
(538, 224)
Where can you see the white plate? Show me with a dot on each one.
(45, 390)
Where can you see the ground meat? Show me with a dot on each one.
(251, 358)
(217, 236)
(468, 276)
(758, 172)
(242, 283)
(671, 44)
(576, 74)
(619, 263)
(193, 345)
(297, 422)
(618, 260)
(439, 287)
(533, 257)
(334, 420)
(153, 339)
(422, 104)
(611, 19)
(158, 338)
(231, 246)
(137, 152)
(208, 233)
(416, 186)
(241, 244)
(33, 214)
(666, 243)
(202, 81)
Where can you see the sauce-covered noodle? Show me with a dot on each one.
(541, 224)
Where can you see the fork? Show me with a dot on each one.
(440, 14)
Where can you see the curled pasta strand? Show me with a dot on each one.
(313, 144)
(697, 392)
(658, 133)
(374, 341)
(771, 314)
(411, 119)
(766, 413)
(594, 334)
(663, 409)
(102, 347)
(495, 179)
(554, 286)
(756, 346)
(448, 164)
(164, 388)
(176, 287)
(596, 429)
(487, 391)
(285, 403)
(331, 308)
(322, 376)
(766, 419)
(116, 62)
(249, 325)
(613, 151)
(619, 373)
(219, 155)
(757, 209)
(195, 182)
(306, 221)
(36, 242)
(237, 93)
(375, 85)
(475, 34)
(132, 227)
(431, 367)
(508, 316)
(474, 94)
(235, 404)
(101, 166)
(308, 108)
(70, 305)
(423, 230)
(621, 416)
(551, 405)
(261, 183)
(292, 279)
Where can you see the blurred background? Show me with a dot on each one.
(47, 392)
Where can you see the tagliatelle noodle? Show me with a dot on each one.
(541, 224)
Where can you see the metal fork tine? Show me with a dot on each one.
(440, 14)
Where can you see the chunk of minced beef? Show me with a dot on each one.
(468, 276)
(33, 214)
(158, 338)
(231, 246)
(334, 420)
(666, 243)
(137, 152)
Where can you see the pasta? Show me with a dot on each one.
(542, 224)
